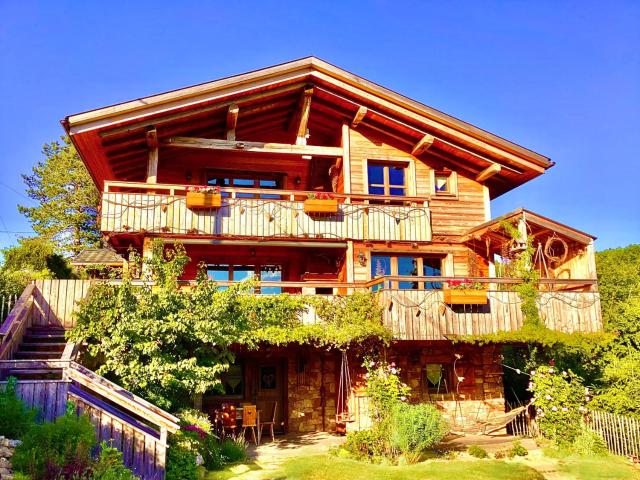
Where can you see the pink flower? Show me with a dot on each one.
(554, 408)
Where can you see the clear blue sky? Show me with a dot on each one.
(562, 78)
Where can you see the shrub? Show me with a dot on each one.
(416, 428)
(212, 454)
(181, 462)
(15, 417)
(477, 451)
(109, 465)
(589, 443)
(364, 444)
(560, 400)
(58, 449)
(234, 449)
(384, 388)
(517, 450)
(196, 418)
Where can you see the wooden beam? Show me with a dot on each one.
(232, 121)
(253, 147)
(423, 145)
(152, 164)
(488, 172)
(362, 111)
(300, 120)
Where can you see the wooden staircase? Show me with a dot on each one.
(33, 349)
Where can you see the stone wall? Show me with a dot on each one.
(312, 384)
(7, 447)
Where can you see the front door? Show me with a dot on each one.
(269, 388)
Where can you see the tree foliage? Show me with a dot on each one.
(66, 198)
(167, 343)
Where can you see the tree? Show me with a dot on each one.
(67, 199)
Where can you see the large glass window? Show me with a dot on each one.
(262, 181)
(407, 266)
(386, 178)
(239, 273)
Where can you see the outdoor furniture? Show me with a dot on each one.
(270, 423)
(249, 420)
(228, 418)
(493, 423)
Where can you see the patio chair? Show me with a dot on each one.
(270, 423)
(249, 420)
(228, 418)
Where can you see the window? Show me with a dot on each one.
(409, 266)
(239, 273)
(437, 377)
(387, 178)
(233, 381)
(444, 183)
(258, 180)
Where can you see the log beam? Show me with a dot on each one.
(423, 145)
(253, 147)
(488, 172)
(300, 120)
(362, 111)
(152, 164)
(232, 121)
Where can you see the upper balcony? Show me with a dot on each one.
(129, 207)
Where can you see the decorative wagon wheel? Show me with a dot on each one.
(556, 250)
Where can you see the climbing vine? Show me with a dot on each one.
(167, 343)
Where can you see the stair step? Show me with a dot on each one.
(43, 337)
(23, 355)
(58, 330)
(43, 346)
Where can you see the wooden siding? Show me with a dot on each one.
(49, 397)
(423, 315)
(249, 217)
(56, 300)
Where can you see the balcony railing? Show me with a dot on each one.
(262, 213)
(411, 314)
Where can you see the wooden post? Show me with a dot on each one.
(147, 254)
(152, 165)
(346, 159)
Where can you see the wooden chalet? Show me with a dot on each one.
(322, 182)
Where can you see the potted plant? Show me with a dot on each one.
(465, 292)
(320, 203)
(203, 197)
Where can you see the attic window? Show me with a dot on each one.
(444, 182)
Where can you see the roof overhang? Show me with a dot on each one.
(500, 163)
(537, 225)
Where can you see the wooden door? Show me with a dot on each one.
(270, 388)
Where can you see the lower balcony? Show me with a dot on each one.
(410, 313)
(268, 214)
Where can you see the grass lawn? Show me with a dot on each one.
(321, 467)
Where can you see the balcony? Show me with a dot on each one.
(264, 214)
(411, 314)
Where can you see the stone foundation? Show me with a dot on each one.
(7, 447)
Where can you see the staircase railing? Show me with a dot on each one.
(16, 323)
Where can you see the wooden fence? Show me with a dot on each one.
(54, 302)
(621, 433)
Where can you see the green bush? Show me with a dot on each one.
(233, 449)
(589, 443)
(109, 465)
(364, 444)
(181, 462)
(15, 417)
(61, 448)
(477, 451)
(416, 428)
(517, 450)
(191, 416)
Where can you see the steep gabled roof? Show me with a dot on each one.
(97, 256)
(111, 140)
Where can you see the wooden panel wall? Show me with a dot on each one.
(55, 301)
(48, 396)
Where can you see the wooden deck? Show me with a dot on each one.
(278, 214)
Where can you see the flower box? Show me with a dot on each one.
(196, 200)
(465, 297)
(321, 206)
